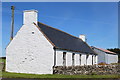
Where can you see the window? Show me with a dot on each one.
(73, 60)
(64, 58)
(87, 58)
(32, 32)
(80, 58)
(92, 59)
(95, 59)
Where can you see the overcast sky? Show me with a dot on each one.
(98, 21)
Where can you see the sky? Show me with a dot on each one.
(97, 20)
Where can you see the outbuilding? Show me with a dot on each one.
(106, 56)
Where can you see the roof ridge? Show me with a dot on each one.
(59, 30)
(105, 50)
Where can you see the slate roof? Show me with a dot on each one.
(63, 40)
(104, 50)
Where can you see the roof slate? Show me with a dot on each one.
(64, 41)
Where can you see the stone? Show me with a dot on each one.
(87, 70)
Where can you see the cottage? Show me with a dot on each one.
(106, 56)
(37, 48)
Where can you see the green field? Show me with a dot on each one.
(22, 75)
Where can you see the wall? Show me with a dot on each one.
(77, 59)
(96, 60)
(101, 56)
(29, 53)
(83, 59)
(111, 58)
(59, 58)
(87, 70)
(69, 59)
(89, 60)
(107, 58)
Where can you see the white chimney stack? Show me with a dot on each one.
(82, 37)
(30, 17)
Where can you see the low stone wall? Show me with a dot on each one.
(87, 70)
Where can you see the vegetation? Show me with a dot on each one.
(102, 63)
(22, 75)
(2, 64)
(2, 60)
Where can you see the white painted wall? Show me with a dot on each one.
(77, 60)
(89, 60)
(68, 59)
(59, 58)
(111, 58)
(101, 56)
(83, 59)
(30, 16)
(96, 59)
(29, 53)
(107, 58)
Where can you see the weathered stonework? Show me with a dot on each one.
(87, 70)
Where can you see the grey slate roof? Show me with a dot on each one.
(64, 41)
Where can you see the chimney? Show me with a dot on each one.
(82, 37)
(30, 17)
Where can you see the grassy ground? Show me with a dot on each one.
(2, 64)
(21, 75)
(2, 60)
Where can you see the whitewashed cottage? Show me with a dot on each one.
(37, 48)
(106, 56)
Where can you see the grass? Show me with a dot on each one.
(2, 60)
(23, 75)
(2, 64)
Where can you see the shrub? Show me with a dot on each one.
(102, 63)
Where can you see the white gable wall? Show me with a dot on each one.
(29, 53)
